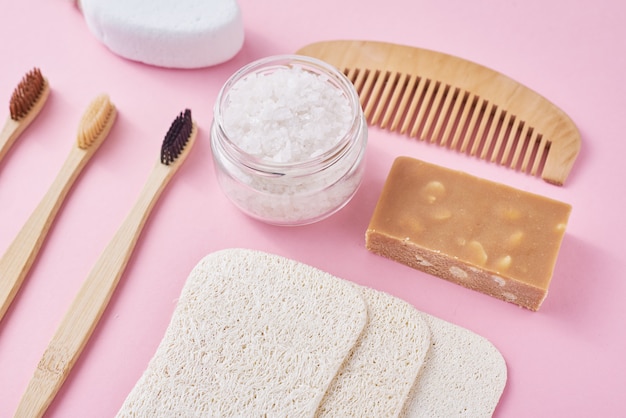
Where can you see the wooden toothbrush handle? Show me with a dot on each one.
(89, 304)
(10, 132)
(20, 255)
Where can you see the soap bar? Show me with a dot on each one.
(482, 235)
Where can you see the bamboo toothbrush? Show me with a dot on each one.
(18, 258)
(95, 293)
(26, 102)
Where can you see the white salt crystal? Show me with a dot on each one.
(283, 119)
(288, 115)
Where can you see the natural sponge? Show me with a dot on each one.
(377, 377)
(168, 33)
(256, 334)
(251, 332)
(464, 375)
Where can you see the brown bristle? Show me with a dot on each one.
(439, 113)
(94, 120)
(176, 137)
(26, 94)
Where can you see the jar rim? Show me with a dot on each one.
(321, 160)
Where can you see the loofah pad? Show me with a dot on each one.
(255, 334)
(251, 332)
(376, 379)
(463, 376)
(168, 33)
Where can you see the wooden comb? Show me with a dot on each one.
(457, 104)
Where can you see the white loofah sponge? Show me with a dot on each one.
(378, 376)
(168, 33)
(463, 376)
(252, 334)
(255, 334)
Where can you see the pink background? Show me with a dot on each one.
(568, 359)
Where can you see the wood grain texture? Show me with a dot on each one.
(22, 252)
(457, 104)
(93, 297)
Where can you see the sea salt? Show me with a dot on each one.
(288, 115)
(301, 137)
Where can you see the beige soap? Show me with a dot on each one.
(482, 235)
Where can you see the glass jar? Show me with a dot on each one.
(288, 187)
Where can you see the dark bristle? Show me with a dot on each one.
(26, 94)
(176, 137)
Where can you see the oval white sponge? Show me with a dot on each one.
(168, 33)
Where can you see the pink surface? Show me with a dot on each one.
(565, 360)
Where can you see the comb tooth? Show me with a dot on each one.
(496, 120)
(396, 95)
(384, 105)
(526, 151)
(484, 122)
(503, 134)
(413, 105)
(351, 73)
(453, 118)
(374, 100)
(368, 82)
(465, 112)
(531, 150)
(435, 113)
(520, 145)
(511, 140)
(542, 161)
(475, 117)
(447, 117)
(424, 108)
(359, 78)
(404, 102)
(540, 157)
